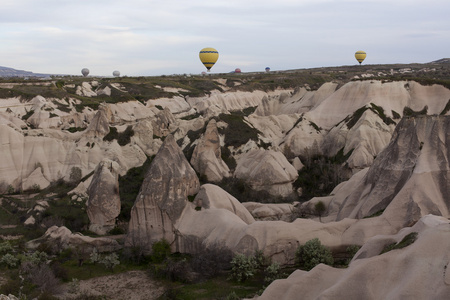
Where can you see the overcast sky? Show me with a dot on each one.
(155, 37)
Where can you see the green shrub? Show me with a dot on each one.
(9, 260)
(272, 272)
(160, 251)
(313, 253)
(5, 247)
(243, 267)
(412, 113)
(406, 241)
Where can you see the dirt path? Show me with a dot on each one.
(132, 285)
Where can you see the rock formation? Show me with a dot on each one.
(418, 271)
(408, 179)
(60, 238)
(211, 196)
(103, 205)
(162, 198)
(206, 158)
(267, 170)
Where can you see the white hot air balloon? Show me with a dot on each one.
(116, 73)
(85, 72)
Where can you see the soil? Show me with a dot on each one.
(131, 285)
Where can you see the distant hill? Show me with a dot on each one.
(441, 61)
(10, 72)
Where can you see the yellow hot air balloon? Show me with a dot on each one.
(209, 56)
(360, 56)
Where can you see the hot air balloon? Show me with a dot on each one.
(85, 72)
(267, 69)
(360, 56)
(116, 73)
(237, 70)
(208, 57)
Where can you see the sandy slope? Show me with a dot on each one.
(131, 285)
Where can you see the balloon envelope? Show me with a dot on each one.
(267, 69)
(237, 70)
(85, 72)
(208, 56)
(360, 56)
(116, 73)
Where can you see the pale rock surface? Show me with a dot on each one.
(164, 123)
(297, 164)
(365, 139)
(267, 170)
(85, 89)
(35, 180)
(104, 91)
(103, 205)
(303, 139)
(271, 211)
(229, 101)
(162, 198)
(409, 178)
(418, 271)
(206, 158)
(211, 196)
(299, 102)
(273, 128)
(129, 111)
(176, 104)
(99, 125)
(391, 96)
(9, 297)
(60, 238)
(143, 137)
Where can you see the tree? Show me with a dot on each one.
(313, 253)
(320, 209)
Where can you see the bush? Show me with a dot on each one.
(243, 267)
(272, 272)
(313, 253)
(209, 262)
(9, 260)
(5, 247)
(160, 251)
(110, 261)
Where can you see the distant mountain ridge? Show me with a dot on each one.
(10, 72)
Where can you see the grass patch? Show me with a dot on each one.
(406, 241)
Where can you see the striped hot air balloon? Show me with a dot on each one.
(208, 57)
(360, 56)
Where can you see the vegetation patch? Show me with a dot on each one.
(123, 138)
(446, 108)
(396, 115)
(380, 112)
(321, 174)
(408, 112)
(406, 241)
(313, 253)
(129, 187)
(238, 132)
